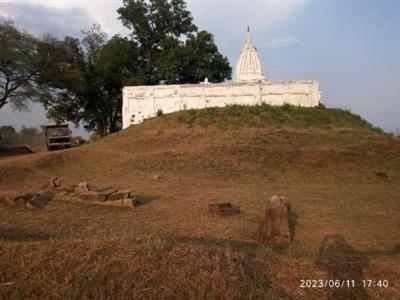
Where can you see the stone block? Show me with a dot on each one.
(275, 229)
(119, 195)
(39, 201)
(83, 187)
(223, 209)
(89, 196)
(15, 198)
(103, 194)
(129, 202)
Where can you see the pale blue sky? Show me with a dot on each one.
(351, 47)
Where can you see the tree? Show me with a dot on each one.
(18, 67)
(170, 49)
(115, 67)
(63, 77)
(86, 79)
(200, 58)
(82, 81)
(7, 132)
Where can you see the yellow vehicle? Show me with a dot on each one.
(58, 137)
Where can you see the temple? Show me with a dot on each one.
(248, 67)
(248, 87)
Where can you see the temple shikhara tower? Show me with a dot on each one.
(248, 67)
(248, 87)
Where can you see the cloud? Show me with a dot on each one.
(40, 19)
(63, 17)
(282, 42)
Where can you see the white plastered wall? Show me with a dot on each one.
(142, 102)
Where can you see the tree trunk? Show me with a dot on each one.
(102, 129)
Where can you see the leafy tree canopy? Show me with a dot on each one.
(170, 48)
(18, 66)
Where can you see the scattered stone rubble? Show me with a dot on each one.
(83, 192)
(275, 229)
(223, 209)
(30, 200)
(110, 196)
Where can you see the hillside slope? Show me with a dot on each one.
(262, 142)
(340, 173)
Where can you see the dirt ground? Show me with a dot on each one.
(342, 184)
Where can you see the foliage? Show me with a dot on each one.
(159, 113)
(169, 48)
(18, 67)
(82, 80)
(86, 78)
(27, 135)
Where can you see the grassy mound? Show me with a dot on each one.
(264, 115)
(232, 142)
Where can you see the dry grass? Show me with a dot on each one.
(342, 180)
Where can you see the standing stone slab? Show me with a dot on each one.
(274, 229)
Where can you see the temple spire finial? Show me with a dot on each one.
(248, 35)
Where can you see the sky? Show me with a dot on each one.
(351, 47)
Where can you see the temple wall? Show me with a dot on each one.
(142, 102)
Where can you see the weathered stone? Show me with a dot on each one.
(83, 187)
(89, 196)
(104, 193)
(70, 189)
(129, 202)
(275, 228)
(39, 201)
(223, 209)
(156, 177)
(53, 184)
(119, 195)
(14, 198)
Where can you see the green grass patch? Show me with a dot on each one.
(264, 115)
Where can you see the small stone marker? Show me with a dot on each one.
(223, 209)
(274, 229)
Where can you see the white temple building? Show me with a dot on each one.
(249, 87)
